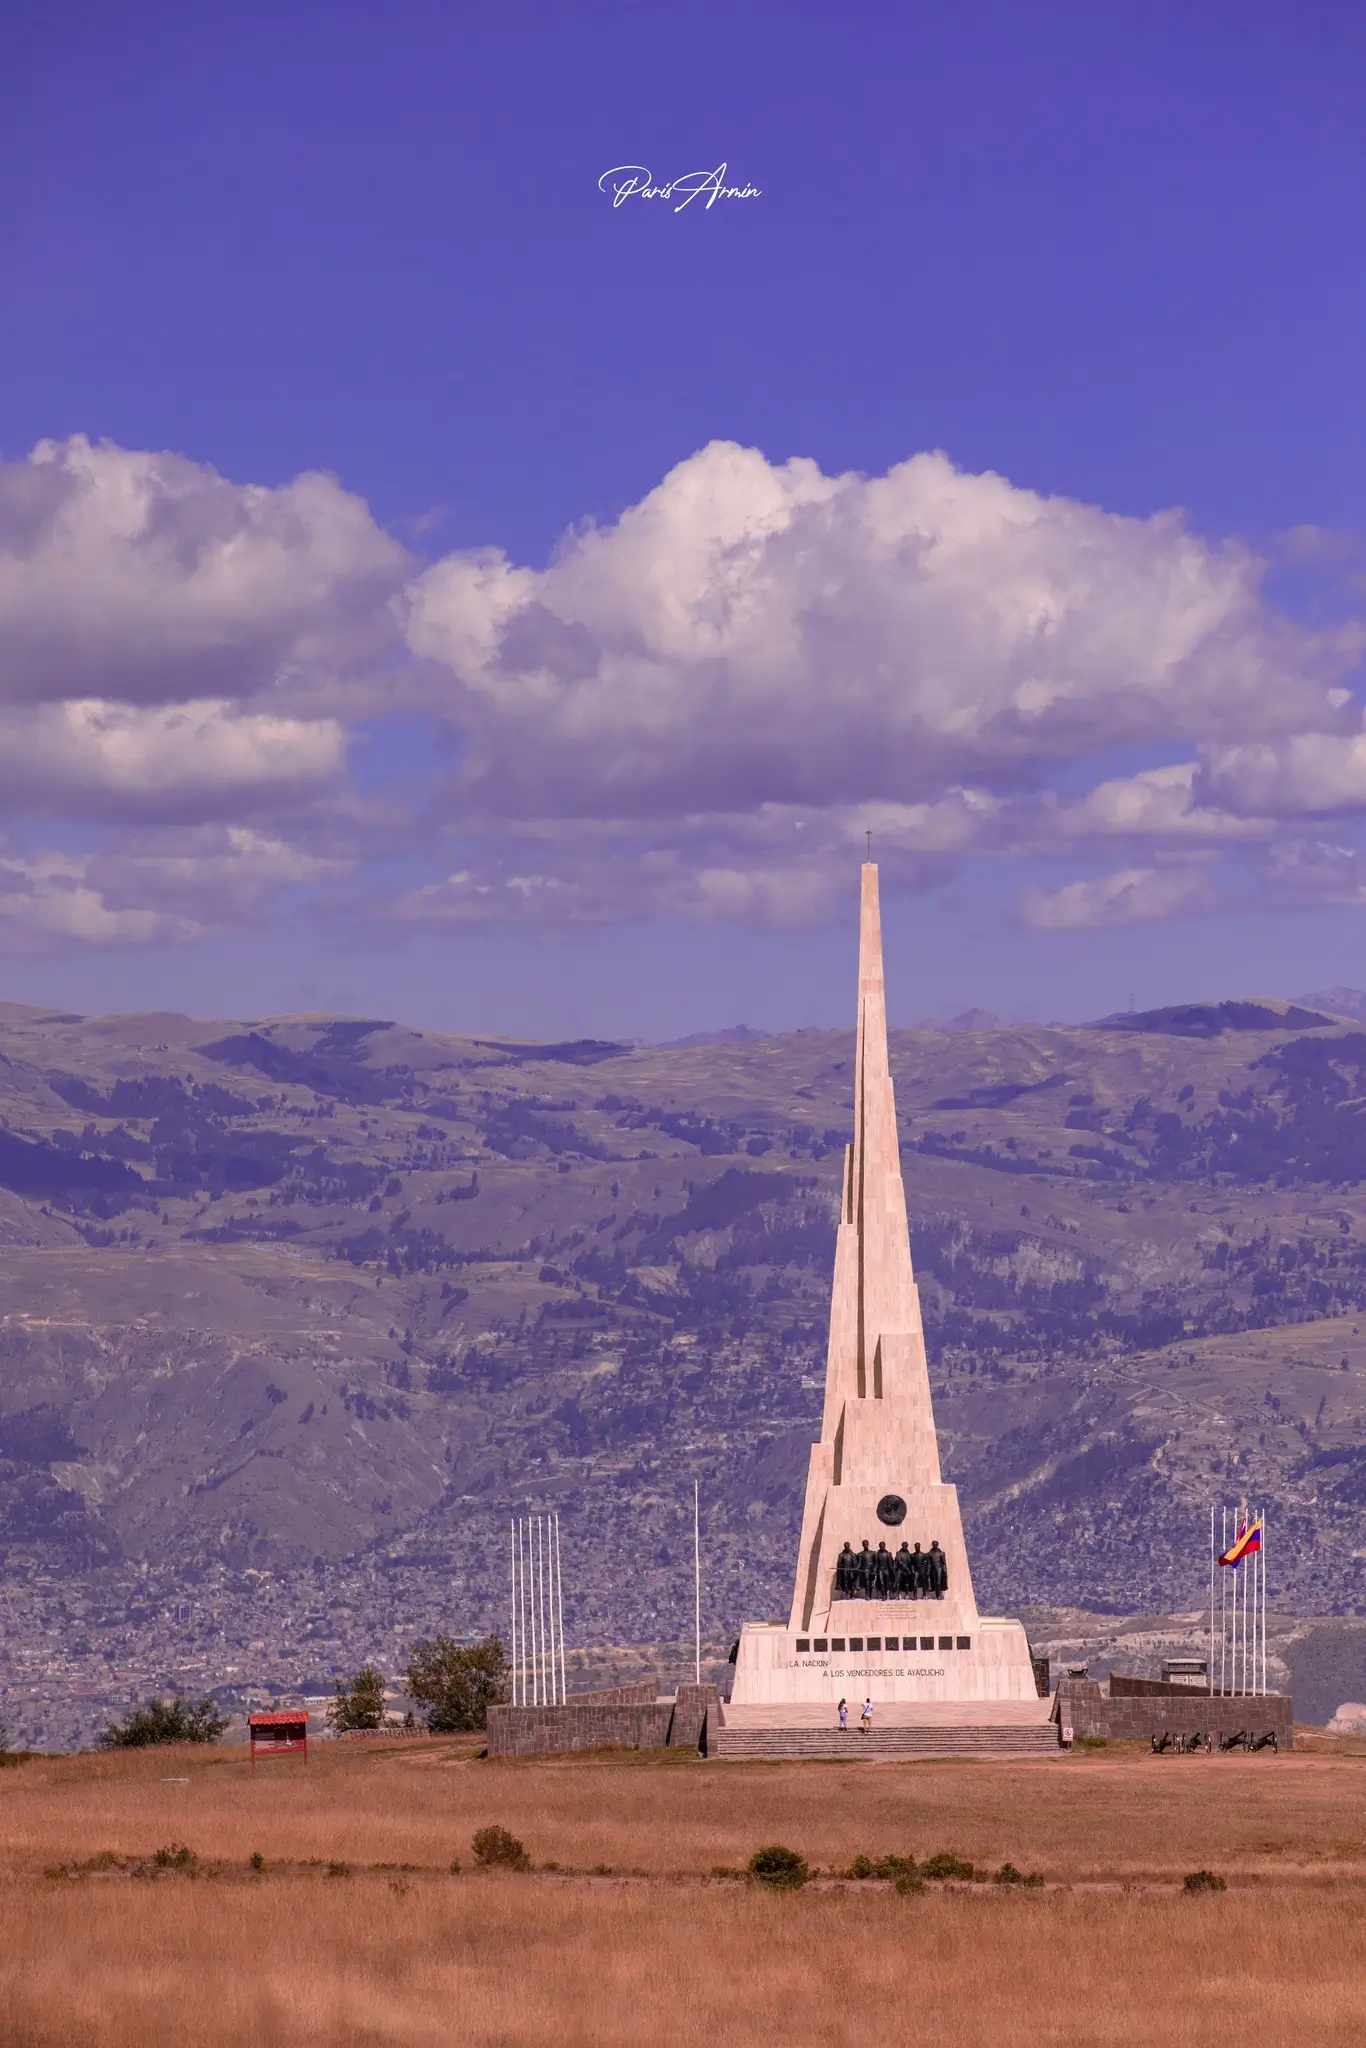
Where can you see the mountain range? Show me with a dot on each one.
(298, 1311)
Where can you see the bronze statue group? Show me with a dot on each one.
(882, 1574)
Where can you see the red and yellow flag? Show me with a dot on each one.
(1248, 1539)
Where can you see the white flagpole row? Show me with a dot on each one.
(1237, 1619)
(559, 1609)
(538, 1663)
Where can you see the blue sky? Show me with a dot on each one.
(561, 699)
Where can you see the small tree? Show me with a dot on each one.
(497, 1849)
(456, 1683)
(781, 1868)
(176, 1720)
(359, 1704)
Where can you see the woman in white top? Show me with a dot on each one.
(865, 1719)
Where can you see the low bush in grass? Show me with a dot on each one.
(496, 1849)
(944, 1864)
(1203, 1881)
(891, 1868)
(1008, 1874)
(175, 1856)
(781, 1869)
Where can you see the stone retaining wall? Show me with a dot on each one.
(1137, 1716)
(618, 1718)
(646, 1694)
(534, 1731)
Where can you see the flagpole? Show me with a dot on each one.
(1256, 1610)
(1223, 1605)
(697, 1580)
(1246, 1575)
(1263, 1555)
(1240, 1617)
(1209, 1681)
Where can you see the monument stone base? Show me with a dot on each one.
(905, 1651)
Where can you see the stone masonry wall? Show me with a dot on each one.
(623, 1717)
(695, 1709)
(646, 1694)
(532, 1731)
(1122, 1686)
(1135, 1717)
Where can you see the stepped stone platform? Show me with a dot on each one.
(981, 1728)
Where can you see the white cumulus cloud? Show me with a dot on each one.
(1129, 896)
(147, 578)
(756, 633)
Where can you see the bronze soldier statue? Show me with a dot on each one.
(884, 1573)
(846, 1573)
(939, 1570)
(864, 1573)
(905, 1573)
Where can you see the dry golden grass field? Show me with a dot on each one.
(356, 1931)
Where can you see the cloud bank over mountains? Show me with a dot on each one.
(695, 712)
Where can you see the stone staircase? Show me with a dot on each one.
(984, 1739)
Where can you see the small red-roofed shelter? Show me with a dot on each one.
(283, 1734)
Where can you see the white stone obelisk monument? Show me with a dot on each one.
(874, 1476)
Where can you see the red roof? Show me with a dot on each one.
(295, 1719)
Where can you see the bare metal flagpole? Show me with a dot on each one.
(559, 1607)
(529, 1606)
(1223, 1603)
(1209, 1679)
(697, 1580)
(1239, 1598)
(521, 1627)
(544, 1524)
(541, 1598)
(1263, 1603)
(526, 1611)
(514, 1611)
(535, 1615)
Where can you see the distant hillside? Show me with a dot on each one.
(313, 1304)
(1340, 1001)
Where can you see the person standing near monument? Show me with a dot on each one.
(865, 1719)
(844, 1717)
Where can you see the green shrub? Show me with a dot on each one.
(174, 1720)
(890, 1868)
(945, 1864)
(781, 1868)
(359, 1703)
(175, 1856)
(457, 1683)
(337, 1870)
(1008, 1874)
(258, 1861)
(1203, 1881)
(910, 1881)
(455, 1866)
(496, 1849)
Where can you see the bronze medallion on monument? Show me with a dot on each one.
(891, 1509)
